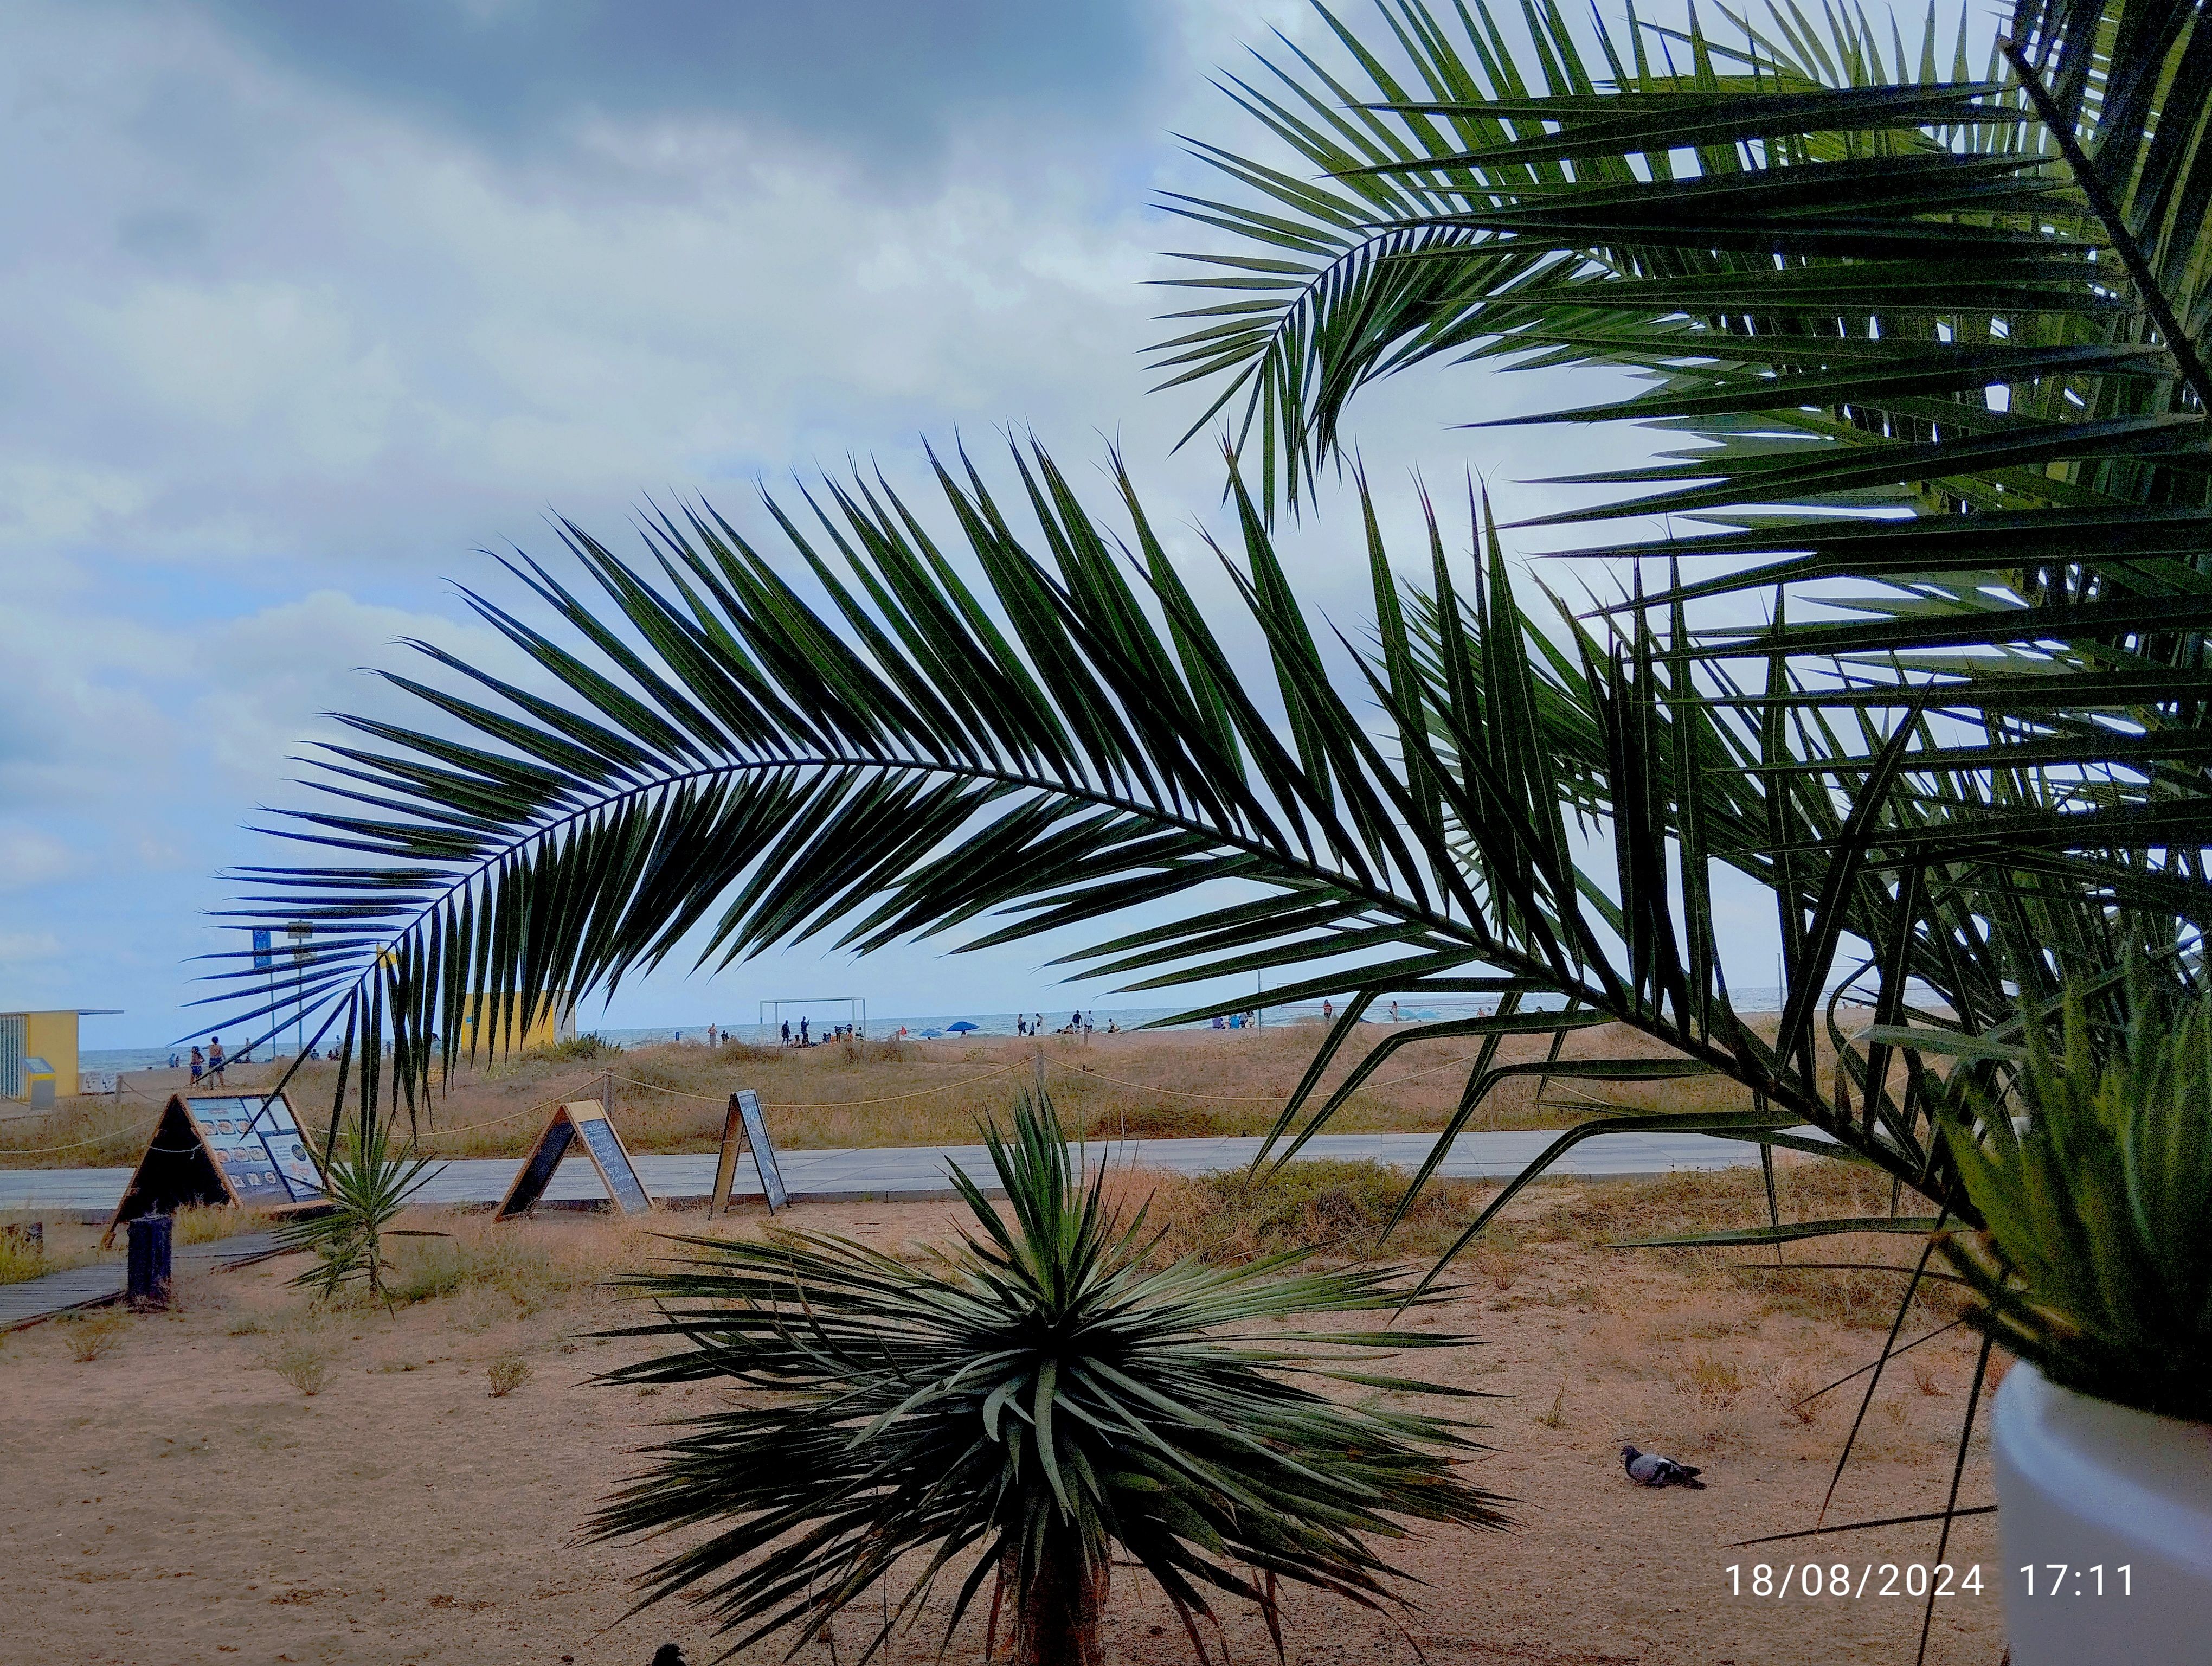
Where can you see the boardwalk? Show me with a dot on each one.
(894, 1172)
(96, 1286)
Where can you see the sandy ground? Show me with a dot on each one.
(176, 1499)
(1152, 1084)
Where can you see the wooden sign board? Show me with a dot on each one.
(580, 1120)
(245, 1150)
(743, 1121)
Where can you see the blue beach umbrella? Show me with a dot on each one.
(930, 1035)
(963, 1027)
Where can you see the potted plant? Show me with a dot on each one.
(1024, 1415)
(2091, 1170)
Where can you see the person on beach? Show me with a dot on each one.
(1329, 1011)
(804, 1040)
(199, 1065)
(786, 1032)
(1393, 1012)
(713, 1037)
(215, 1059)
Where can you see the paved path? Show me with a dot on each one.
(101, 1282)
(919, 1171)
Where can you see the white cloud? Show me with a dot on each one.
(28, 948)
(29, 857)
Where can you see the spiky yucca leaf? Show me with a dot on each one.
(2095, 1262)
(1044, 1400)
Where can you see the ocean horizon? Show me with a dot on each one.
(823, 1016)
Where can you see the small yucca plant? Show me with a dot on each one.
(368, 1181)
(2096, 1265)
(1044, 1399)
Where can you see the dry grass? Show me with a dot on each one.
(672, 1097)
(95, 1335)
(1716, 1382)
(301, 1361)
(33, 1245)
(506, 1374)
(516, 1270)
(1337, 1208)
(197, 1225)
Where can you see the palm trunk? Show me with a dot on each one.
(1056, 1620)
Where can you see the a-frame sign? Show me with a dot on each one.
(583, 1119)
(743, 1121)
(245, 1150)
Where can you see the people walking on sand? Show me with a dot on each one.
(214, 1061)
(199, 1065)
(1328, 1012)
(1394, 1012)
(786, 1032)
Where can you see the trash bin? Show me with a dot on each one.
(39, 1081)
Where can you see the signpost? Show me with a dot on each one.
(743, 1121)
(245, 1150)
(579, 1119)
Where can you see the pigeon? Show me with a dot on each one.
(669, 1654)
(1649, 1469)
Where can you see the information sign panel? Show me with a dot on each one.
(579, 1119)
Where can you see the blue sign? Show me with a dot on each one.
(262, 958)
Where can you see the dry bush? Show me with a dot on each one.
(22, 1254)
(507, 1373)
(1923, 1378)
(1791, 1385)
(531, 1265)
(1555, 1418)
(1338, 1208)
(1716, 1382)
(210, 1223)
(301, 1363)
(95, 1335)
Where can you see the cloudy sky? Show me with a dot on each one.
(307, 305)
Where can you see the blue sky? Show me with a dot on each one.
(307, 305)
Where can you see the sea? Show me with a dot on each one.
(825, 1015)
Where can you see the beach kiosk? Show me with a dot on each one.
(49, 1038)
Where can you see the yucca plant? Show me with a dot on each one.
(1026, 1413)
(367, 1180)
(2094, 1262)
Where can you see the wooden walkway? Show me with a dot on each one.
(80, 1288)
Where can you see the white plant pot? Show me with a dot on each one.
(2084, 1484)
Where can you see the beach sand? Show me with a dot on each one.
(176, 1499)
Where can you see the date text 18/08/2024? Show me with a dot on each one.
(1810, 1580)
(1807, 1581)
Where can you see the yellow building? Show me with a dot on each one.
(553, 1023)
(51, 1036)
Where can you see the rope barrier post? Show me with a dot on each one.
(607, 1094)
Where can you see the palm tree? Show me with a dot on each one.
(1046, 1398)
(1952, 304)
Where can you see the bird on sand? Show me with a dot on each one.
(669, 1654)
(1649, 1469)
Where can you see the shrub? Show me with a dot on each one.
(96, 1333)
(1044, 1397)
(508, 1372)
(301, 1363)
(2095, 1266)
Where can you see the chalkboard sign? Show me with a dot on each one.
(244, 1150)
(743, 1121)
(601, 1143)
